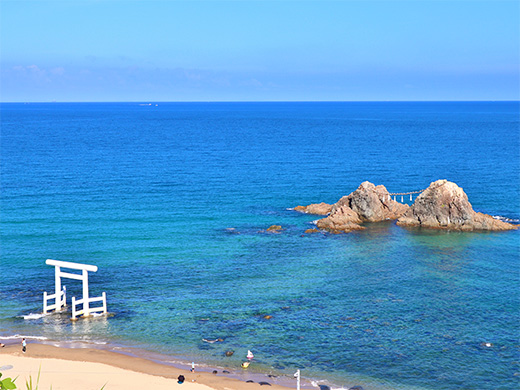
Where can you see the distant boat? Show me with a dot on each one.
(250, 355)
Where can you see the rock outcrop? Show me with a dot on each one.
(444, 205)
(342, 219)
(369, 203)
(318, 208)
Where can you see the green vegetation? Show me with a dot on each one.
(7, 383)
(29, 383)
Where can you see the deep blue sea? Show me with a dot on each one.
(170, 201)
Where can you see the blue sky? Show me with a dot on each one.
(117, 50)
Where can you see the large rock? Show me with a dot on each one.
(372, 203)
(318, 208)
(444, 205)
(369, 203)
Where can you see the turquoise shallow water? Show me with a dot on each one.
(150, 193)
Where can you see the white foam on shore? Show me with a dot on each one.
(99, 342)
(19, 336)
(319, 383)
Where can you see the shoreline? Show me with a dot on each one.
(109, 366)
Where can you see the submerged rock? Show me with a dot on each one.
(318, 208)
(444, 205)
(310, 231)
(274, 228)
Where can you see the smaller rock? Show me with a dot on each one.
(267, 317)
(317, 209)
(274, 228)
(250, 381)
(215, 372)
(230, 353)
(264, 383)
(310, 231)
(324, 387)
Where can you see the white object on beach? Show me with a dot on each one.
(250, 355)
(297, 376)
(60, 295)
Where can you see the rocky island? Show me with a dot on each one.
(443, 205)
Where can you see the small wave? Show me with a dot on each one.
(19, 336)
(290, 208)
(505, 219)
(315, 222)
(32, 316)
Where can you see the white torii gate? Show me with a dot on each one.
(60, 294)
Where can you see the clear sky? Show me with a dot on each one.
(120, 50)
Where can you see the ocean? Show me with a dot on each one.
(171, 202)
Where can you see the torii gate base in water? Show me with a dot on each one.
(60, 297)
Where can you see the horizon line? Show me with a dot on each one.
(260, 101)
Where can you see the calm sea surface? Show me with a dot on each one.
(170, 200)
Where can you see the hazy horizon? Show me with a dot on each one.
(99, 51)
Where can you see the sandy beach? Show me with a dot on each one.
(91, 369)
